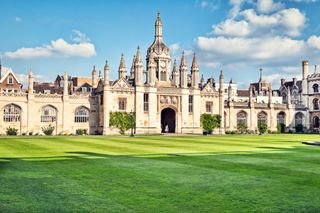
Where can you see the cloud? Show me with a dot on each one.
(208, 4)
(18, 19)
(314, 41)
(268, 6)
(81, 47)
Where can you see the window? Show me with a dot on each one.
(84, 89)
(48, 114)
(315, 88)
(146, 102)
(298, 118)
(163, 76)
(122, 104)
(316, 122)
(190, 103)
(315, 104)
(262, 117)
(11, 113)
(281, 118)
(209, 107)
(241, 118)
(81, 115)
(10, 80)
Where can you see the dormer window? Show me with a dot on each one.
(10, 80)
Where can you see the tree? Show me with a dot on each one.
(122, 120)
(262, 127)
(210, 122)
(48, 130)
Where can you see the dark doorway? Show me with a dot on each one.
(316, 123)
(168, 121)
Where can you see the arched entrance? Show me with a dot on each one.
(316, 122)
(168, 121)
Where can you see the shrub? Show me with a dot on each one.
(48, 130)
(24, 133)
(11, 131)
(122, 120)
(299, 128)
(30, 133)
(242, 128)
(281, 128)
(262, 127)
(210, 122)
(81, 132)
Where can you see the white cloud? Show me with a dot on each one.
(18, 19)
(57, 48)
(208, 4)
(267, 6)
(314, 41)
(231, 27)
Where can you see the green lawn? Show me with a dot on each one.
(272, 173)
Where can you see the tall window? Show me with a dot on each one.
(315, 88)
(10, 80)
(122, 104)
(209, 107)
(190, 103)
(281, 118)
(146, 102)
(48, 114)
(11, 113)
(315, 104)
(262, 117)
(298, 118)
(81, 115)
(241, 118)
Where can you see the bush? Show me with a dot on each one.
(242, 128)
(48, 130)
(231, 132)
(210, 122)
(11, 131)
(262, 127)
(281, 128)
(81, 132)
(299, 128)
(30, 133)
(122, 120)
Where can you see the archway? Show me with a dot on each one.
(316, 122)
(168, 121)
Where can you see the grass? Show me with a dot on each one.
(272, 173)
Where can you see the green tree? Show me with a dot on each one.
(210, 122)
(262, 127)
(242, 128)
(122, 120)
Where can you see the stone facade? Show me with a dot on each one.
(164, 99)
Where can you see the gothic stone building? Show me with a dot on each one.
(163, 98)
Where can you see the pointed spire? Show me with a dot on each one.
(94, 72)
(138, 56)
(221, 74)
(260, 74)
(100, 75)
(194, 65)
(202, 80)
(158, 27)
(122, 63)
(106, 66)
(106, 74)
(132, 67)
(30, 72)
(122, 68)
(183, 60)
(175, 67)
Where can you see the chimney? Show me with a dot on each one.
(283, 81)
(294, 81)
(305, 69)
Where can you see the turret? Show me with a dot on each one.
(230, 91)
(30, 81)
(65, 84)
(305, 69)
(106, 74)
(122, 72)
(152, 71)
(175, 74)
(194, 72)
(221, 102)
(183, 72)
(138, 68)
(94, 77)
(221, 82)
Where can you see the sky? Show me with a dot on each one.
(237, 36)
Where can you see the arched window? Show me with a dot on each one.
(11, 113)
(281, 118)
(48, 114)
(316, 122)
(315, 88)
(262, 117)
(315, 104)
(81, 115)
(241, 118)
(298, 118)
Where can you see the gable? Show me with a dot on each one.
(208, 89)
(121, 83)
(7, 75)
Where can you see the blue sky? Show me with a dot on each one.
(237, 36)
